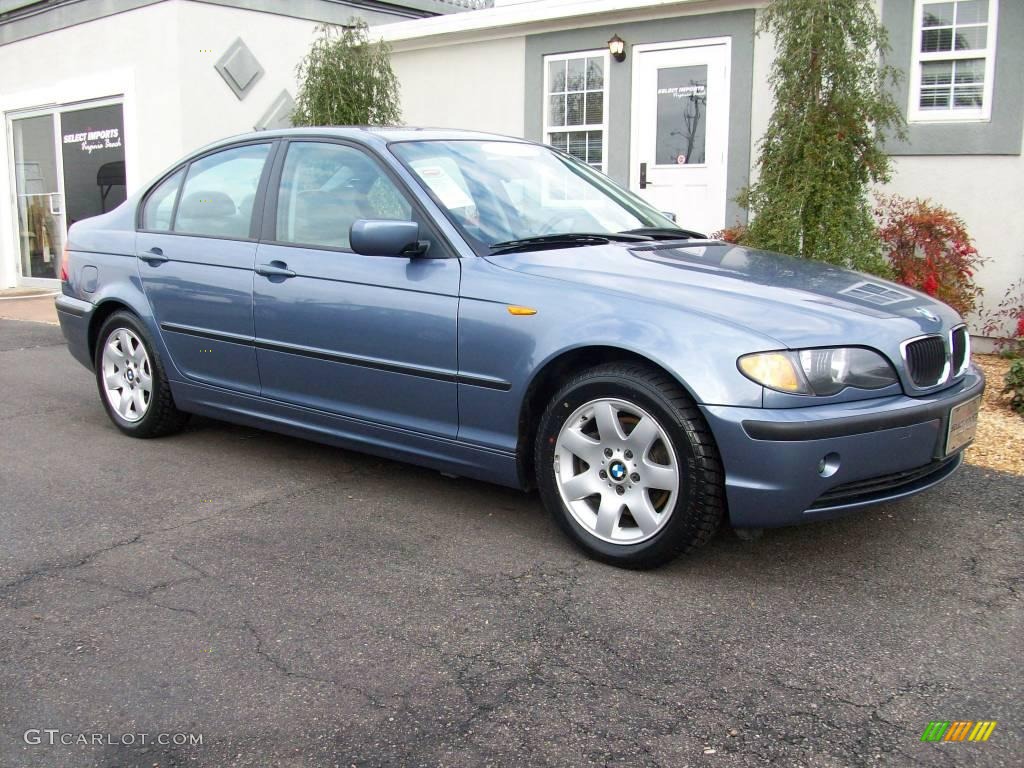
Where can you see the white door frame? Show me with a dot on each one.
(635, 118)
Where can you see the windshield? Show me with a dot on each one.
(496, 192)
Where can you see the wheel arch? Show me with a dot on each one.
(546, 381)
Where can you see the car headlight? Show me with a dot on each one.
(822, 372)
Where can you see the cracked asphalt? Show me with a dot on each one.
(299, 605)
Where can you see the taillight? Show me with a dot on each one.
(64, 264)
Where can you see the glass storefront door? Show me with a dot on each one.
(39, 200)
(68, 166)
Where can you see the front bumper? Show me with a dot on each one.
(883, 449)
(74, 316)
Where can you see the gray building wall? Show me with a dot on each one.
(738, 25)
(1001, 135)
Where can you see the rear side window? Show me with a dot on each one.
(160, 204)
(327, 187)
(220, 191)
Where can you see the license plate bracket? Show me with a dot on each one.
(962, 425)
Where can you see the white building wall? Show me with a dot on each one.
(103, 58)
(478, 85)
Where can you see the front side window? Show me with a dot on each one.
(160, 204)
(219, 193)
(497, 191)
(325, 188)
(575, 106)
(953, 61)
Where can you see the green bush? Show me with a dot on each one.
(346, 80)
(1014, 381)
(823, 148)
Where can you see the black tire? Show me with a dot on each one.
(700, 503)
(161, 416)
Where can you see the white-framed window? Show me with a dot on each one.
(953, 60)
(576, 105)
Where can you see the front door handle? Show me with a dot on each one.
(275, 269)
(153, 256)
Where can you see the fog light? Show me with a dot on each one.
(828, 465)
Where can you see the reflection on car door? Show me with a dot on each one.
(196, 250)
(368, 337)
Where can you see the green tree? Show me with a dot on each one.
(346, 80)
(823, 146)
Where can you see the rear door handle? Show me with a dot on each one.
(275, 269)
(153, 256)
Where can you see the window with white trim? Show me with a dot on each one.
(576, 105)
(953, 60)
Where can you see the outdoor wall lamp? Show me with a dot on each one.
(617, 48)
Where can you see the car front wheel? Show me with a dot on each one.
(627, 466)
(132, 384)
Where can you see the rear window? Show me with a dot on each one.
(220, 192)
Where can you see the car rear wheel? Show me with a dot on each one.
(131, 380)
(628, 467)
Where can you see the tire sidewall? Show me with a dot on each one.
(122, 319)
(664, 544)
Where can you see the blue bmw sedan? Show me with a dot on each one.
(496, 309)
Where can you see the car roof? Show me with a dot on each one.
(372, 135)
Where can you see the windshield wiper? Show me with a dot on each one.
(567, 239)
(666, 233)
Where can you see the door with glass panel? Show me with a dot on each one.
(680, 131)
(39, 202)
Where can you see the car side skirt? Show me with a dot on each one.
(434, 452)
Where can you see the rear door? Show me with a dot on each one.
(369, 337)
(196, 247)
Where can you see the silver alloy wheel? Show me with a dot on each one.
(127, 374)
(616, 471)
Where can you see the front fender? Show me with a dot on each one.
(514, 349)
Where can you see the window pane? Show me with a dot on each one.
(556, 76)
(576, 74)
(594, 148)
(220, 191)
(936, 40)
(936, 14)
(970, 71)
(595, 74)
(681, 115)
(971, 38)
(595, 108)
(970, 96)
(972, 11)
(936, 73)
(574, 109)
(578, 145)
(558, 140)
(556, 110)
(934, 98)
(325, 188)
(160, 204)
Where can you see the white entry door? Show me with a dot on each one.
(680, 130)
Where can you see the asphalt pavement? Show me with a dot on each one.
(298, 605)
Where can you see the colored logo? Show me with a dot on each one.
(617, 470)
(958, 730)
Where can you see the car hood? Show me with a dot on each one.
(795, 301)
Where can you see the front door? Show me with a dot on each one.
(680, 130)
(368, 337)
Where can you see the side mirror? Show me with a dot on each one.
(386, 237)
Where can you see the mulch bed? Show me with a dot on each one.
(1000, 440)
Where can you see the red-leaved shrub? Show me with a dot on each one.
(930, 250)
(733, 234)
